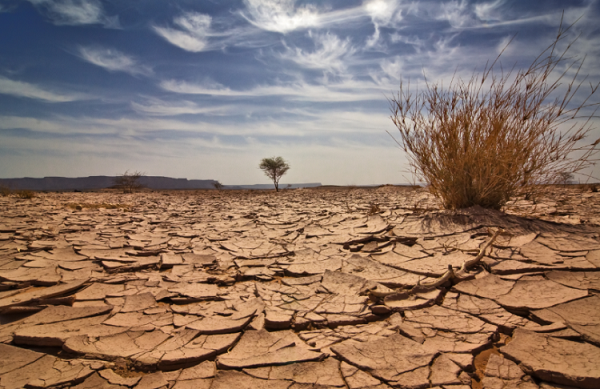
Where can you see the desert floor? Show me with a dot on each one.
(310, 288)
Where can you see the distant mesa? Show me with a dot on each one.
(103, 182)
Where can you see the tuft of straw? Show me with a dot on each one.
(499, 134)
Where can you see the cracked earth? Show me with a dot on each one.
(313, 288)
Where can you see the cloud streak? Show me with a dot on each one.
(113, 60)
(331, 53)
(31, 91)
(284, 16)
(347, 91)
(75, 12)
(280, 16)
(156, 107)
(191, 33)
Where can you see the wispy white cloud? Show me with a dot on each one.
(298, 123)
(196, 32)
(284, 16)
(349, 90)
(75, 12)
(393, 67)
(457, 13)
(113, 60)
(331, 53)
(24, 89)
(157, 107)
(192, 32)
(461, 14)
(417, 42)
(439, 61)
(489, 11)
(280, 15)
(336, 121)
(384, 12)
(134, 127)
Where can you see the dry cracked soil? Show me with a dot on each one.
(313, 288)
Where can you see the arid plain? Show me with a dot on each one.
(308, 288)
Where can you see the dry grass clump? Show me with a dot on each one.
(81, 206)
(5, 191)
(374, 209)
(589, 187)
(482, 141)
(25, 194)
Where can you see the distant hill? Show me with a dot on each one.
(102, 182)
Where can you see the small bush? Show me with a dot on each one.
(482, 141)
(5, 191)
(589, 187)
(373, 209)
(129, 182)
(25, 194)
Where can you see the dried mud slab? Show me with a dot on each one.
(24, 368)
(36, 295)
(583, 316)
(386, 359)
(578, 280)
(326, 373)
(154, 348)
(262, 348)
(311, 288)
(555, 360)
(520, 295)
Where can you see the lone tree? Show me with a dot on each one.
(218, 185)
(499, 134)
(129, 181)
(274, 168)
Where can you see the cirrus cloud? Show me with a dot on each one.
(113, 60)
(280, 15)
(157, 107)
(191, 34)
(31, 91)
(75, 12)
(331, 53)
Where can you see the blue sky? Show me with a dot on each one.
(205, 89)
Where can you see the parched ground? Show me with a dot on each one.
(314, 288)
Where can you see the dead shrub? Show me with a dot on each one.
(499, 134)
(374, 209)
(5, 191)
(589, 187)
(129, 182)
(25, 194)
